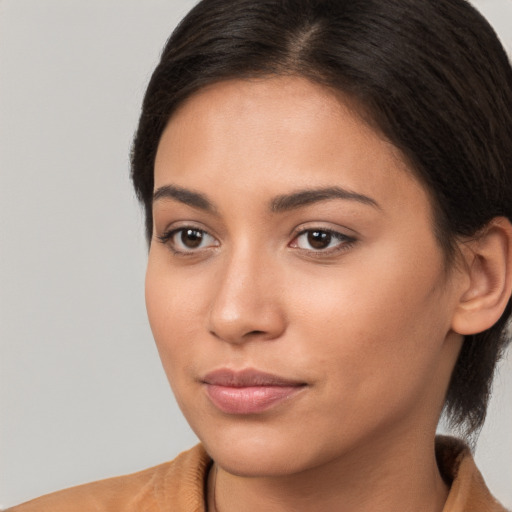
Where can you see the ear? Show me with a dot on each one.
(488, 284)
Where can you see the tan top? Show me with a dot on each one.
(179, 486)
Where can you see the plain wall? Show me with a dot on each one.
(82, 392)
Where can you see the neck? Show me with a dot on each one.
(392, 477)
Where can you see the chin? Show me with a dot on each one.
(258, 455)
(255, 462)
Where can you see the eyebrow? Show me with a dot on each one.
(183, 195)
(279, 204)
(309, 196)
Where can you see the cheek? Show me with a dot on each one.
(379, 324)
(170, 305)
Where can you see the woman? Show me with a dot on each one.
(327, 195)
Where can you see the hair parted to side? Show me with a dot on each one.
(430, 75)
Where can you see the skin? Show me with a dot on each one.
(365, 324)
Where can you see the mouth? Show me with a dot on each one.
(248, 391)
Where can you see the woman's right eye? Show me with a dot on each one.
(188, 240)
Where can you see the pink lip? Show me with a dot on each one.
(248, 391)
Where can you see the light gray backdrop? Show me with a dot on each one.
(82, 394)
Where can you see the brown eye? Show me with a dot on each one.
(188, 240)
(191, 238)
(322, 241)
(319, 239)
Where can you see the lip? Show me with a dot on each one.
(248, 391)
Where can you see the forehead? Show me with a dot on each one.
(277, 132)
(280, 105)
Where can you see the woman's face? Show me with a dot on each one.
(295, 289)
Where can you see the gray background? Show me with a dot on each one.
(82, 394)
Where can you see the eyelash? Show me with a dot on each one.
(345, 242)
(167, 239)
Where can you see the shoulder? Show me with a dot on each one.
(177, 485)
(468, 491)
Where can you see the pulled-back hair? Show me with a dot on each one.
(429, 75)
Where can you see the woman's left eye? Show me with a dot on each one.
(321, 240)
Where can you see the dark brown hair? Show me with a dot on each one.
(430, 75)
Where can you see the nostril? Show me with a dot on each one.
(255, 333)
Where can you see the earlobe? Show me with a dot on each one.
(489, 278)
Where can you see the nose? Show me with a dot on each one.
(247, 304)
